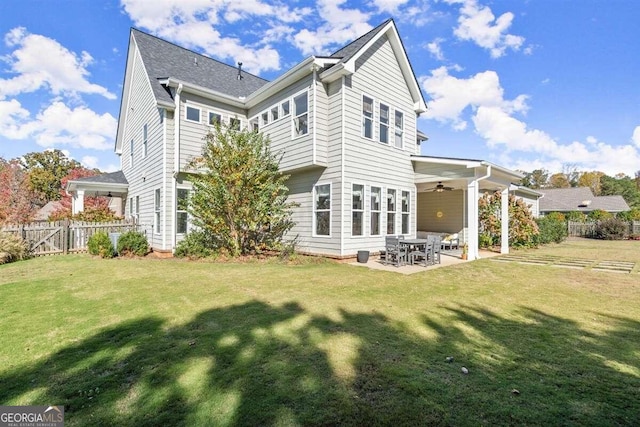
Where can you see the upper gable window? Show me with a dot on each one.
(214, 118)
(301, 119)
(285, 108)
(367, 117)
(265, 118)
(193, 114)
(384, 124)
(399, 128)
(274, 113)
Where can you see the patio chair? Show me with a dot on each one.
(437, 247)
(394, 253)
(452, 241)
(423, 255)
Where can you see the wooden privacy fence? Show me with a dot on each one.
(62, 237)
(587, 229)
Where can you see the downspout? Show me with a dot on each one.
(342, 151)
(176, 165)
(163, 198)
(315, 113)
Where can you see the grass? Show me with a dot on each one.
(169, 342)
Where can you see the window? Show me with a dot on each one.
(130, 207)
(254, 124)
(144, 140)
(357, 209)
(300, 121)
(406, 211)
(274, 113)
(376, 203)
(214, 118)
(193, 114)
(399, 124)
(181, 210)
(285, 108)
(156, 208)
(265, 118)
(131, 153)
(234, 123)
(384, 123)
(367, 117)
(391, 211)
(322, 210)
(137, 212)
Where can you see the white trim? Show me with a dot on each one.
(314, 210)
(164, 177)
(395, 112)
(157, 211)
(281, 104)
(394, 212)
(216, 112)
(343, 97)
(388, 124)
(378, 211)
(363, 117)
(295, 115)
(315, 118)
(362, 210)
(178, 188)
(504, 218)
(186, 113)
(402, 213)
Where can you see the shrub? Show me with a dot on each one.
(630, 215)
(599, 214)
(12, 248)
(552, 228)
(485, 240)
(100, 244)
(610, 229)
(576, 216)
(133, 243)
(196, 244)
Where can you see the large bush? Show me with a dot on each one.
(133, 243)
(196, 244)
(99, 244)
(12, 248)
(610, 229)
(552, 229)
(522, 227)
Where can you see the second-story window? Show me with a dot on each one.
(193, 114)
(285, 108)
(399, 128)
(301, 119)
(254, 124)
(234, 123)
(214, 118)
(274, 113)
(144, 140)
(265, 118)
(367, 117)
(384, 123)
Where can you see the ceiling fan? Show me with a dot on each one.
(439, 188)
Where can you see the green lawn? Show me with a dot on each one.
(176, 343)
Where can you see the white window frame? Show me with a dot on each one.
(213, 113)
(179, 211)
(375, 211)
(264, 117)
(131, 153)
(157, 209)
(398, 131)
(406, 213)
(186, 113)
(354, 210)
(366, 118)
(381, 124)
(254, 124)
(137, 214)
(297, 116)
(316, 210)
(274, 113)
(282, 104)
(145, 136)
(391, 212)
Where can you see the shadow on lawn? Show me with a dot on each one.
(257, 364)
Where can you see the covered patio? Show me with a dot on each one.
(448, 190)
(112, 185)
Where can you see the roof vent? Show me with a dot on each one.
(584, 203)
(195, 61)
(239, 70)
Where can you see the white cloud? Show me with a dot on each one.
(477, 23)
(636, 136)
(389, 6)
(40, 62)
(340, 26)
(58, 125)
(435, 48)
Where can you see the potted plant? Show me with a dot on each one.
(465, 251)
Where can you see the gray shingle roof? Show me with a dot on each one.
(163, 60)
(571, 199)
(107, 178)
(346, 52)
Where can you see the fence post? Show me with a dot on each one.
(65, 236)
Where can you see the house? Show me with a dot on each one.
(345, 125)
(579, 199)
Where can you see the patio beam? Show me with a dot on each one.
(504, 226)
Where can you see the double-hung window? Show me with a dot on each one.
(367, 117)
(144, 140)
(322, 210)
(391, 211)
(376, 207)
(384, 123)
(301, 119)
(214, 118)
(399, 128)
(137, 213)
(192, 114)
(406, 211)
(357, 210)
(156, 209)
(181, 210)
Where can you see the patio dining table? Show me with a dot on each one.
(413, 244)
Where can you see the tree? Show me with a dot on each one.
(536, 179)
(522, 226)
(18, 203)
(240, 197)
(571, 172)
(591, 180)
(46, 170)
(559, 180)
(623, 186)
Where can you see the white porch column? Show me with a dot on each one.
(77, 202)
(472, 219)
(504, 225)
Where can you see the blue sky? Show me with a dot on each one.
(526, 84)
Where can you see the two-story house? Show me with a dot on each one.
(345, 125)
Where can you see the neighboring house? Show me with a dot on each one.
(45, 212)
(579, 199)
(346, 127)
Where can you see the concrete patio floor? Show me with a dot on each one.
(447, 259)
